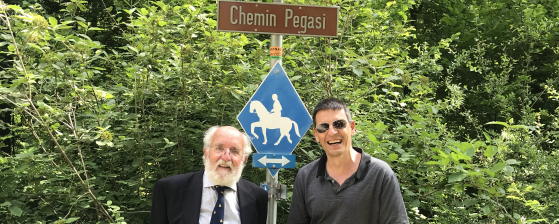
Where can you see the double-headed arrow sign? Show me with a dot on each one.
(275, 160)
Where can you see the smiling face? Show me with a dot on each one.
(224, 160)
(335, 142)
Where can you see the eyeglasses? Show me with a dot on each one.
(233, 152)
(339, 124)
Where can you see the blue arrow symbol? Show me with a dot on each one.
(265, 160)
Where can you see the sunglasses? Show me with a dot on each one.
(339, 124)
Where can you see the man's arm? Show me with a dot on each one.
(158, 213)
(393, 209)
(298, 210)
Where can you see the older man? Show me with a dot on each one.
(217, 194)
(346, 185)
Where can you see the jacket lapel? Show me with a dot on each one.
(246, 202)
(192, 198)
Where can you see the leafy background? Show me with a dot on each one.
(99, 99)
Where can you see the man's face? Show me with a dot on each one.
(224, 160)
(334, 141)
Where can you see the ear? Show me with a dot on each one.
(315, 133)
(205, 152)
(245, 160)
(352, 127)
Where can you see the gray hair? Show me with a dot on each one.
(211, 131)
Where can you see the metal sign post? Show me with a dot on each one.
(275, 112)
(276, 43)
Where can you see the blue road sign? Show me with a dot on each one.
(264, 186)
(273, 160)
(275, 118)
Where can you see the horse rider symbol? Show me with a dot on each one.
(272, 120)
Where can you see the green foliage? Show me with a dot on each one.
(109, 96)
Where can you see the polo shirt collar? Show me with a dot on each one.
(363, 163)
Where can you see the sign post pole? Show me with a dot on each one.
(272, 203)
(276, 54)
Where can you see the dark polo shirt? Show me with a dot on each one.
(371, 195)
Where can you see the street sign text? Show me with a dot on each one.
(269, 18)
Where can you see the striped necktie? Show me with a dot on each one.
(219, 211)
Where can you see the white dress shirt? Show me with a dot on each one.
(209, 198)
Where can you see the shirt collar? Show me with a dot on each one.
(206, 182)
(363, 163)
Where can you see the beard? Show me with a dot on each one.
(222, 177)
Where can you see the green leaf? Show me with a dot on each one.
(522, 127)
(244, 39)
(144, 12)
(508, 170)
(377, 63)
(373, 138)
(71, 220)
(11, 47)
(490, 151)
(393, 156)
(469, 202)
(162, 23)
(295, 78)
(512, 162)
(435, 110)
(357, 71)
(136, 162)
(470, 152)
(14, 7)
(36, 47)
(486, 210)
(499, 122)
(5, 204)
(417, 118)
(457, 177)
(487, 137)
(132, 48)
(498, 166)
(24, 155)
(433, 163)
(82, 24)
(53, 21)
(211, 22)
(21, 167)
(15, 210)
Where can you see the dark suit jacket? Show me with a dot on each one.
(177, 200)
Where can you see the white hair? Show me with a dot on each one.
(211, 131)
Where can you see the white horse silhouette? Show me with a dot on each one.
(271, 121)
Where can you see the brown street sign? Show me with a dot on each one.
(274, 18)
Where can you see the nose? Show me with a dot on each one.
(226, 155)
(333, 130)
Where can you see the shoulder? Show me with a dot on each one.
(255, 189)
(309, 170)
(379, 170)
(180, 180)
(379, 165)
